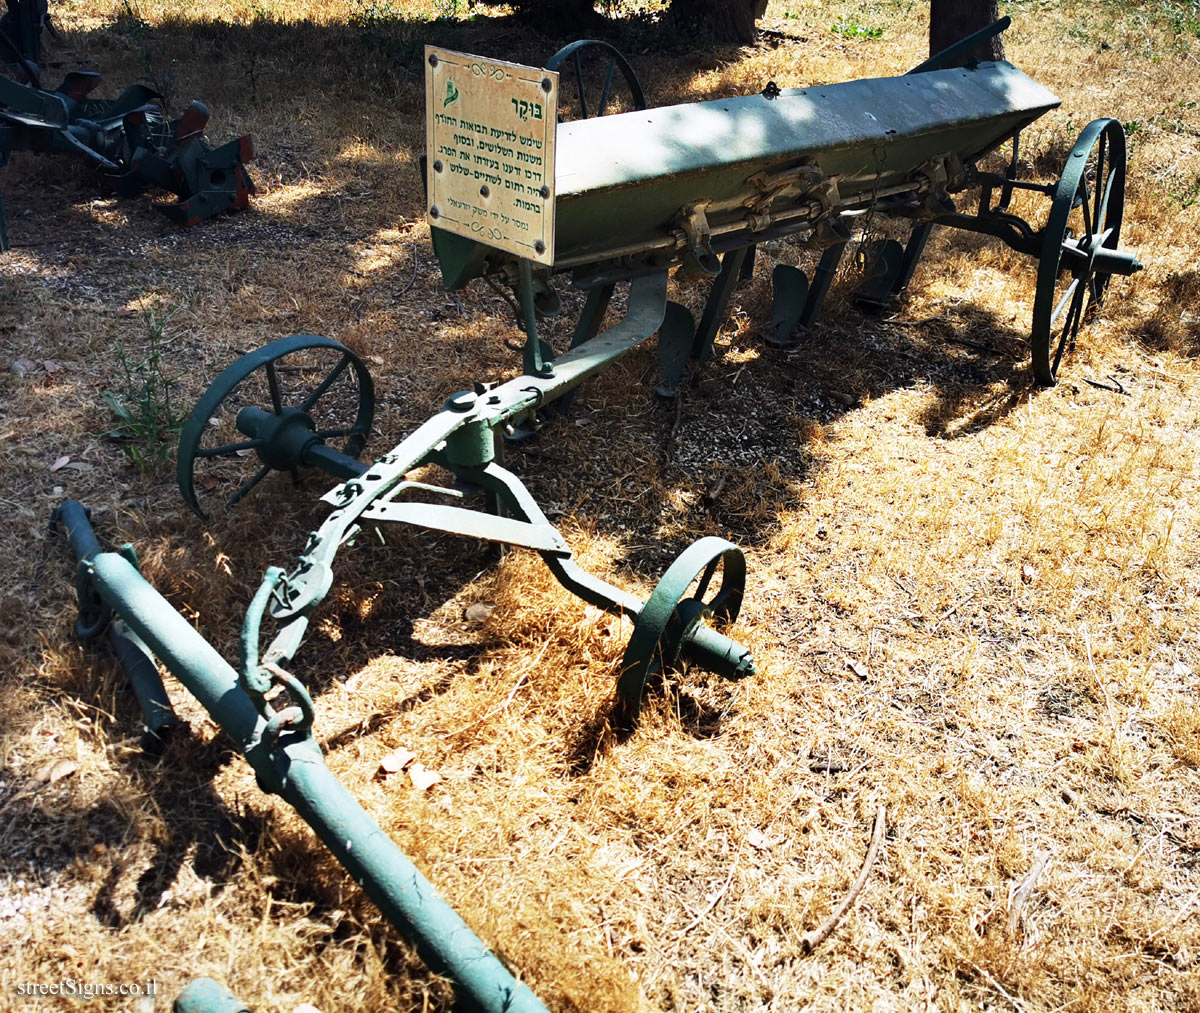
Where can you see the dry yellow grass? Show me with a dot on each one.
(970, 601)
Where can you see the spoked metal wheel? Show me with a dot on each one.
(588, 82)
(301, 389)
(675, 618)
(1079, 248)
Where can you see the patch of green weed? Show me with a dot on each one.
(851, 28)
(148, 417)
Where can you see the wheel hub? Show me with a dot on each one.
(285, 436)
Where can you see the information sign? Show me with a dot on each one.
(489, 138)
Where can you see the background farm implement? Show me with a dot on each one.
(129, 140)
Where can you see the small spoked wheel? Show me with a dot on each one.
(1079, 248)
(592, 66)
(674, 621)
(297, 390)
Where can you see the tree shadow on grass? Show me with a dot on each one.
(292, 68)
(46, 834)
(200, 830)
(1175, 322)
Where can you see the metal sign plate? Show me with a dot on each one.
(489, 135)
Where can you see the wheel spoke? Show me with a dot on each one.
(258, 477)
(1102, 202)
(1071, 325)
(229, 448)
(325, 384)
(583, 106)
(1088, 228)
(273, 386)
(706, 577)
(612, 69)
(1074, 314)
(1059, 348)
(1067, 295)
(1103, 171)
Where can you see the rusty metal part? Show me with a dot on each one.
(131, 142)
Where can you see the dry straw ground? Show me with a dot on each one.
(972, 602)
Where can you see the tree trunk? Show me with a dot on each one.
(722, 20)
(951, 20)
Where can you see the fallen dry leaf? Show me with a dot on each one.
(479, 612)
(757, 839)
(397, 760)
(422, 777)
(53, 771)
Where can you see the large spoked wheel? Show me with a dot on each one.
(304, 387)
(1084, 224)
(593, 66)
(682, 602)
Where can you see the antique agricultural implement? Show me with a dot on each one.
(129, 140)
(520, 200)
(523, 201)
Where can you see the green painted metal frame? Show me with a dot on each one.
(819, 158)
(462, 439)
(757, 164)
(803, 172)
(279, 745)
(207, 996)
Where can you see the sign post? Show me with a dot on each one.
(489, 135)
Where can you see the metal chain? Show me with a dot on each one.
(861, 251)
(260, 679)
(299, 715)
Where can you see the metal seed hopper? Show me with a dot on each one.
(698, 186)
(630, 198)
